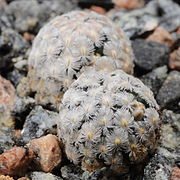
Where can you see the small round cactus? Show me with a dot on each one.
(108, 119)
(71, 43)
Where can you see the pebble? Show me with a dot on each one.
(174, 62)
(129, 4)
(170, 130)
(32, 14)
(38, 123)
(7, 96)
(149, 55)
(15, 76)
(2, 177)
(43, 176)
(29, 37)
(169, 93)
(98, 9)
(160, 35)
(138, 21)
(175, 174)
(170, 14)
(155, 79)
(21, 65)
(6, 140)
(47, 152)
(71, 172)
(5, 19)
(15, 161)
(23, 105)
(3, 3)
(159, 168)
(12, 45)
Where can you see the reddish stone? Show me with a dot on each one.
(129, 4)
(28, 36)
(48, 152)
(160, 35)
(98, 9)
(14, 162)
(174, 62)
(178, 31)
(3, 3)
(175, 174)
(7, 93)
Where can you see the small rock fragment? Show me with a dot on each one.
(21, 65)
(30, 15)
(138, 21)
(149, 55)
(6, 140)
(159, 168)
(160, 35)
(71, 172)
(2, 177)
(47, 151)
(155, 79)
(175, 173)
(15, 76)
(7, 96)
(98, 9)
(15, 161)
(174, 62)
(129, 4)
(170, 130)
(23, 88)
(3, 3)
(38, 123)
(28, 36)
(7, 93)
(12, 45)
(170, 11)
(43, 176)
(169, 94)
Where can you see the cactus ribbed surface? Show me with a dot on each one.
(108, 119)
(68, 45)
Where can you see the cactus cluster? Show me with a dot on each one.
(108, 119)
(68, 45)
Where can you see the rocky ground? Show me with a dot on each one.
(29, 147)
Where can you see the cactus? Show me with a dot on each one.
(68, 45)
(108, 119)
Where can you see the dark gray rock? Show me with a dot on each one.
(5, 19)
(12, 45)
(170, 130)
(38, 123)
(159, 168)
(155, 79)
(138, 21)
(149, 55)
(170, 19)
(6, 140)
(169, 93)
(167, 154)
(15, 76)
(22, 105)
(32, 14)
(43, 176)
(71, 172)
